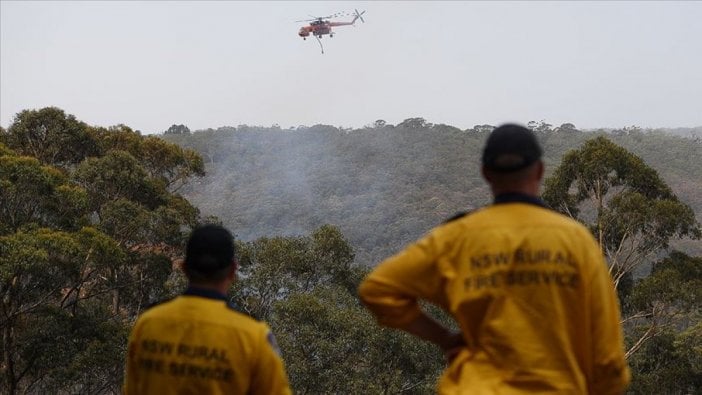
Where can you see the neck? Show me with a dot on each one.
(221, 287)
(526, 181)
(530, 189)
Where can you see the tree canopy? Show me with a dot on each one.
(89, 222)
(93, 220)
(305, 286)
(632, 211)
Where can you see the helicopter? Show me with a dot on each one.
(321, 25)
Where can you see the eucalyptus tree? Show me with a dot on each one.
(632, 213)
(305, 287)
(51, 136)
(90, 224)
(626, 204)
(672, 360)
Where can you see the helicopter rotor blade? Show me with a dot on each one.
(336, 15)
(314, 18)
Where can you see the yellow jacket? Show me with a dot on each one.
(197, 344)
(531, 293)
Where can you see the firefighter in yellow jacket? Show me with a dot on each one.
(196, 343)
(528, 287)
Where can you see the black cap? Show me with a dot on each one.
(209, 250)
(510, 148)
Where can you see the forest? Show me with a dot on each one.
(93, 221)
(385, 185)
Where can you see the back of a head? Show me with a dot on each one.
(209, 254)
(510, 148)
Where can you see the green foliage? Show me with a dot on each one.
(305, 287)
(675, 282)
(51, 136)
(31, 193)
(118, 175)
(386, 186)
(383, 187)
(540, 127)
(4, 150)
(89, 229)
(331, 344)
(177, 129)
(65, 347)
(414, 123)
(566, 128)
(598, 166)
(272, 268)
(48, 279)
(661, 336)
(168, 163)
(671, 363)
(632, 211)
(90, 226)
(125, 221)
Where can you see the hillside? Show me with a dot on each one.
(387, 185)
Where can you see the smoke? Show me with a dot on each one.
(383, 187)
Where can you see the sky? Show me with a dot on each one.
(152, 64)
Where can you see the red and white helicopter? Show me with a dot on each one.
(319, 26)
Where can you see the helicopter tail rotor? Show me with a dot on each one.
(358, 15)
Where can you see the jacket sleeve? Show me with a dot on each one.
(610, 373)
(392, 289)
(269, 372)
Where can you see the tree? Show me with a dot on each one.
(177, 129)
(305, 287)
(273, 268)
(630, 210)
(331, 344)
(566, 128)
(672, 359)
(483, 129)
(540, 127)
(118, 175)
(414, 123)
(170, 163)
(50, 283)
(668, 298)
(162, 160)
(379, 124)
(51, 136)
(31, 193)
(89, 229)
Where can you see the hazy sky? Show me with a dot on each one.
(209, 64)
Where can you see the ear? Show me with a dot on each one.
(232, 270)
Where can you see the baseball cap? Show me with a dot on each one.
(209, 249)
(509, 148)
